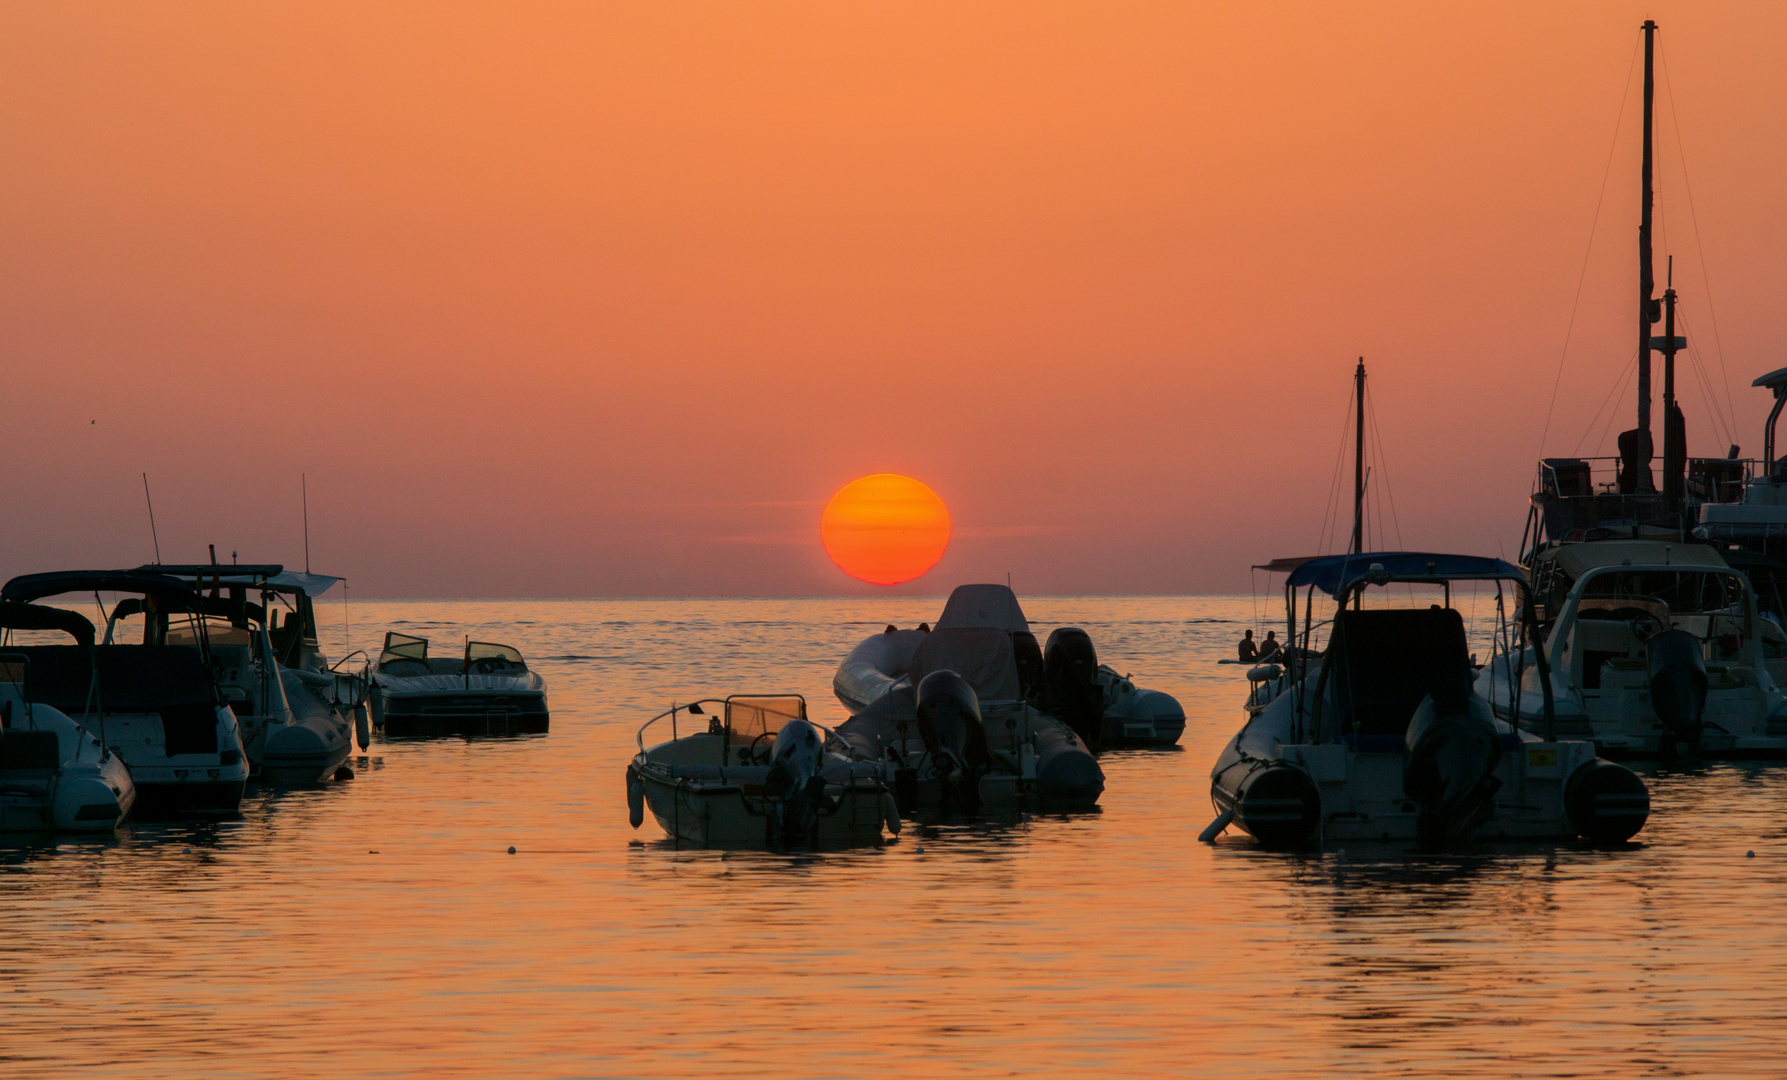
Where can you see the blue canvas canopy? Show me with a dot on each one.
(1335, 574)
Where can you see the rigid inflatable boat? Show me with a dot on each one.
(1384, 738)
(756, 772)
(984, 640)
(486, 691)
(157, 705)
(1062, 679)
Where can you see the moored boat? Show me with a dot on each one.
(159, 706)
(755, 773)
(1385, 738)
(488, 690)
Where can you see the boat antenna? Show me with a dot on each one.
(152, 534)
(1359, 459)
(304, 492)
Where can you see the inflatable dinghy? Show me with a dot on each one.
(1062, 679)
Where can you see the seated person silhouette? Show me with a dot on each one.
(1269, 647)
(1249, 650)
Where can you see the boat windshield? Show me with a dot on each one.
(492, 655)
(403, 647)
(750, 718)
(1694, 592)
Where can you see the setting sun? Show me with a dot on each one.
(885, 529)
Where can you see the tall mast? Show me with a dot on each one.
(1359, 458)
(1647, 306)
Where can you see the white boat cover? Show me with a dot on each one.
(981, 654)
(993, 606)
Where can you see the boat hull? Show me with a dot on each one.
(734, 816)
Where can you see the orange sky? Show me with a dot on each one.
(609, 299)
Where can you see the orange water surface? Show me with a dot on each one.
(379, 928)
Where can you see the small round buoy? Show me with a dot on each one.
(1340, 853)
(1749, 854)
(372, 853)
(511, 849)
(186, 851)
(344, 773)
(920, 849)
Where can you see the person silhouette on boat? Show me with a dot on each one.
(1250, 650)
(1269, 647)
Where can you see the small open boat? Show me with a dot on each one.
(1385, 738)
(758, 773)
(488, 690)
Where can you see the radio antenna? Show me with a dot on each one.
(304, 489)
(151, 502)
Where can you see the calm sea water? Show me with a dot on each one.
(379, 927)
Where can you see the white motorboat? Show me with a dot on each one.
(291, 731)
(757, 772)
(1063, 679)
(1385, 738)
(1655, 649)
(488, 690)
(54, 774)
(156, 705)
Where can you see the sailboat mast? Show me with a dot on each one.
(1647, 306)
(1359, 458)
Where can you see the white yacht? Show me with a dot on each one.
(1655, 649)
(487, 690)
(1384, 737)
(54, 774)
(159, 706)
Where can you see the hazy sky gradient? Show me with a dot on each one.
(608, 299)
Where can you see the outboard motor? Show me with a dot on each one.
(793, 790)
(1677, 691)
(1450, 770)
(1608, 803)
(950, 725)
(1029, 658)
(1070, 675)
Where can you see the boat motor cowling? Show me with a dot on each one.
(1677, 689)
(1450, 769)
(1608, 803)
(1070, 678)
(949, 723)
(793, 787)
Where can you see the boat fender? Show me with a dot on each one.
(1608, 803)
(362, 726)
(890, 812)
(635, 797)
(1264, 672)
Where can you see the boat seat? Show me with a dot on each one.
(1382, 664)
(29, 753)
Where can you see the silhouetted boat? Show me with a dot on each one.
(271, 676)
(487, 690)
(157, 705)
(984, 629)
(759, 773)
(1385, 739)
(55, 776)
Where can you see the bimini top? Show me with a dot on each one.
(28, 587)
(270, 576)
(1335, 574)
